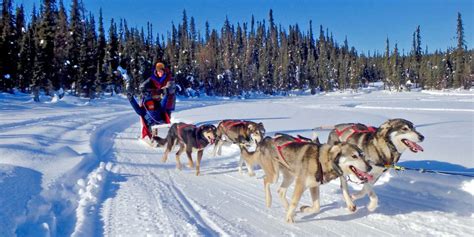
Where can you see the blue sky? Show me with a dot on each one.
(367, 23)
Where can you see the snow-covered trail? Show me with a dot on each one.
(144, 196)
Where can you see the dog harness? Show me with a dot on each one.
(355, 130)
(280, 148)
(197, 129)
(372, 130)
(319, 174)
(229, 124)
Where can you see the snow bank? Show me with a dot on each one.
(450, 92)
(89, 192)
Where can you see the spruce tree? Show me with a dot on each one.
(418, 58)
(60, 48)
(112, 57)
(88, 59)
(44, 71)
(76, 36)
(396, 68)
(388, 81)
(459, 64)
(20, 31)
(7, 33)
(28, 54)
(101, 74)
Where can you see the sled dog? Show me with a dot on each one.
(240, 132)
(310, 164)
(190, 138)
(382, 146)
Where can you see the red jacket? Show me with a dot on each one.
(155, 85)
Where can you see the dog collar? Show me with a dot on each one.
(337, 169)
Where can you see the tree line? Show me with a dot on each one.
(60, 49)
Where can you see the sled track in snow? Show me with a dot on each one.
(205, 225)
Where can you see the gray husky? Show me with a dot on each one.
(382, 146)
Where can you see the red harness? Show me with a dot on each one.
(319, 174)
(280, 147)
(180, 128)
(369, 129)
(228, 124)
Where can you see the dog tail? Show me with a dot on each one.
(172, 135)
(161, 141)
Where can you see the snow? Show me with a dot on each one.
(89, 196)
(72, 166)
(468, 186)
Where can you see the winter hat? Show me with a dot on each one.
(159, 66)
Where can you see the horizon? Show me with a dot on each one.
(436, 32)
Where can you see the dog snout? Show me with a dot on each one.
(421, 137)
(369, 168)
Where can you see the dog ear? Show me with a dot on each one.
(251, 126)
(385, 128)
(335, 151)
(304, 138)
(316, 140)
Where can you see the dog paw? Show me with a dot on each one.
(163, 160)
(352, 208)
(290, 219)
(198, 173)
(309, 209)
(372, 206)
(305, 209)
(251, 174)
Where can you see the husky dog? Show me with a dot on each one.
(190, 138)
(240, 132)
(310, 164)
(382, 146)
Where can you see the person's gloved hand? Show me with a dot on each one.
(170, 87)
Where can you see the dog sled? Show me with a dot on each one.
(154, 134)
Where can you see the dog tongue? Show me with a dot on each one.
(414, 146)
(367, 176)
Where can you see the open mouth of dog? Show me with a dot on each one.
(414, 147)
(211, 140)
(363, 176)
